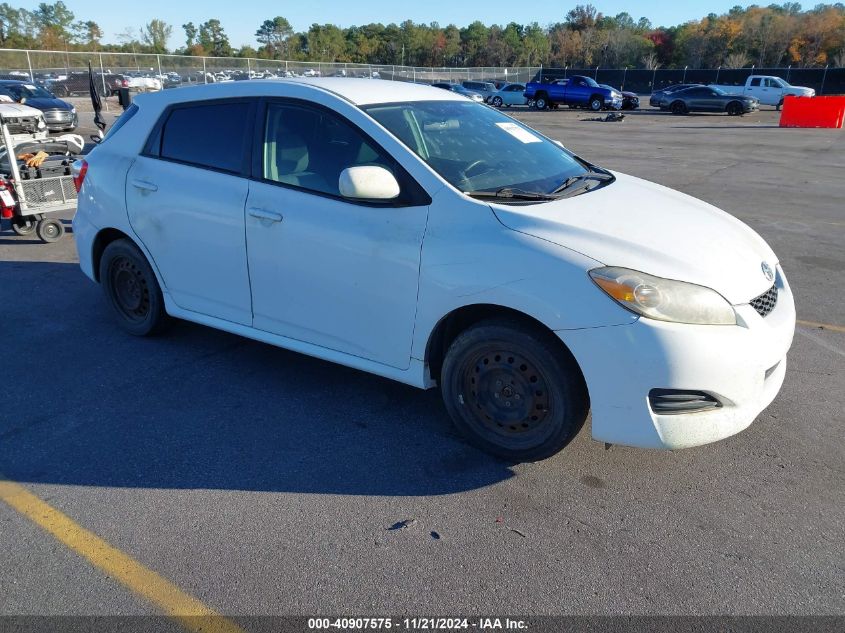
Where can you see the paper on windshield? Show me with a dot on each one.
(519, 133)
(28, 87)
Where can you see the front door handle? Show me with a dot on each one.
(263, 214)
(143, 184)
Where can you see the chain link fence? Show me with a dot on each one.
(180, 70)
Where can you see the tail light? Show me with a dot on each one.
(7, 201)
(80, 169)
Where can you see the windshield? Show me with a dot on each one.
(591, 82)
(25, 91)
(476, 148)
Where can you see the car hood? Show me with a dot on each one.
(640, 225)
(631, 95)
(44, 103)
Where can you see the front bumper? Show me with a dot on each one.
(743, 366)
(58, 120)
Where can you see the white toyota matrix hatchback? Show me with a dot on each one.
(411, 233)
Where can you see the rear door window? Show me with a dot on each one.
(211, 135)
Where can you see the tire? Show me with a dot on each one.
(512, 391)
(779, 105)
(735, 108)
(497, 102)
(679, 107)
(131, 289)
(23, 226)
(541, 102)
(596, 103)
(50, 231)
(62, 91)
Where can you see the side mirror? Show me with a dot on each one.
(368, 182)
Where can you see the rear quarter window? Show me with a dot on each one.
(212, 135)
(122, 120)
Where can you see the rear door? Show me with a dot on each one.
(185, 196)
(754, 88)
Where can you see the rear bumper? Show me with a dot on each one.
(743, 366)
(84, 234)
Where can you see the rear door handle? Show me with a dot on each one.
(263, 214)
(143, 184)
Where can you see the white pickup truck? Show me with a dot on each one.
(768, 89)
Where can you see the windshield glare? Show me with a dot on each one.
(476, 148)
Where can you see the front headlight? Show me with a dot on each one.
(664, 299)
(73, 110)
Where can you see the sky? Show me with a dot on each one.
(240, 21)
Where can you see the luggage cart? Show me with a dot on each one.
(30, 197)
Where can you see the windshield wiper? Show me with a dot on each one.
(583, 178)
(512, 193)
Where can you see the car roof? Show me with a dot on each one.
(359, 91)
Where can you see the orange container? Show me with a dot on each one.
(826, 112)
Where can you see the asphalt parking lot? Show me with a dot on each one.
(260, 481)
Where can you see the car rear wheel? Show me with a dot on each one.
(735, 108)
(541, 103)
(497, 101)
(132, 289)
(679, 107)
(513, 391)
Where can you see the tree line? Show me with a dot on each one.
(775, 35)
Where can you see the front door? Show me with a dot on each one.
(325, 270)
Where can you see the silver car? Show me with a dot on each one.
(508, 95)
(485, 88)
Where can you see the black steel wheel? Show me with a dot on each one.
(513, 391)
(132, 289)
(679, 107)
(735, 108)
(50, 230)
(24, 225)
(497, 102)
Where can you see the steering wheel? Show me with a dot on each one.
(465, 173)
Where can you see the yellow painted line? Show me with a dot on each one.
(187, 610)
(823, 326)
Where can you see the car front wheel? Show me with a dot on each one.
(132, 289)
(497, 101)
(513, 391)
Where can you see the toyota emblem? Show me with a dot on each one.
(767, 271)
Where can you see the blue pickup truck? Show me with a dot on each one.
(576, 91)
